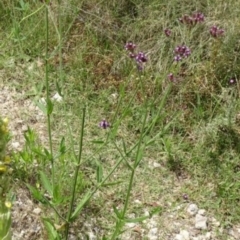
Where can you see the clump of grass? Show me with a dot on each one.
(5, 203)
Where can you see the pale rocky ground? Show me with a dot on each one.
(184, 222)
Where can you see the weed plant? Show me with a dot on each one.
(5, 172)
(139, 82)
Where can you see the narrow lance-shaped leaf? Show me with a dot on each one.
(99, 173)
(80, 206)
(46, 183)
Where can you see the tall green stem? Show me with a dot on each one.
(49, 104)
(76, 174)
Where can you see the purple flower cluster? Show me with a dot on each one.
(167, 32)
(139, 57)
(130, 46)
(193, 19)
(181, 52)
(216, 31)
(104, 124)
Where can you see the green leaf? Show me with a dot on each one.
(49, 107)
(36, 194)
(140, 219)
(56, 195)
(46, 184)
(42, 106)
(5, 222)
(99, 173)
(136, 220)
(139, 158)
(98, 141)
(118, 214)
(51, 230)
(62, 148)
(59, 90)
(80, 206)
(155, 211)
(124, 147)
(111, 183)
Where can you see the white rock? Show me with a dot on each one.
(137, 201)
(202, 212)
(178, 237)
(130, 225)
(192, 209)
(215, 222)
(208, 236)
(91, 236)
(200, 222)
(42, 101)
(37, 211)
(185, 234)
(153, 234)
(16, 145)
(57, 97)
(156, 165)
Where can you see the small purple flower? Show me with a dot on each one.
(141, 57)
(193, 19)
(185, 196)
(177, 58)
(181, 52)
(130, 46)
(167, 32)
(232, 81)
(216, 31)
(171, 77)
(104, 124)
(198, 17)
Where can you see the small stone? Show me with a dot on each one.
(215, 222)
(57, 97)
(138, 201)
(37, 211)
(200, 222)
(130, 225)
(192, 209)
(178, 237)
(24, 128)
(202, 212)
(16, 145)
(153, 234)
(208, 236)
(185, 234)
(156, 165)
